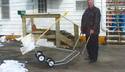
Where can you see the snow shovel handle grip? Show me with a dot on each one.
(86, 44)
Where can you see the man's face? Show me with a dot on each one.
(90, 3)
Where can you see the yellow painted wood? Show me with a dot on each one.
(102, 39)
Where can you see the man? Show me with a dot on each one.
(90, 26)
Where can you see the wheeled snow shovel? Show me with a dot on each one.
(52, 61)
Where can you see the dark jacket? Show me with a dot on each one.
(91, 20)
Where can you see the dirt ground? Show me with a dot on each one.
(111, 59)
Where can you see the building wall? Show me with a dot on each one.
(13, 25)
(101, 4)
(69, 6)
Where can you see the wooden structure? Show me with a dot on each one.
(59, 38)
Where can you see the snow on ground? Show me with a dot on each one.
(29, 43)
(12, 66)
(3, 39)
(44, 42)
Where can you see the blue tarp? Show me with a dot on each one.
(121, 21)
(122, 24)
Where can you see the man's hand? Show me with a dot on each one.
(91, 31)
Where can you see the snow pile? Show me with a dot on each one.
(44, 42)
(12, 66)
(3, 39)
(29, 43)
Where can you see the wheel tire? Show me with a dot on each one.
(50, 62)
(41, 58)
(39, 53)
(47, 60)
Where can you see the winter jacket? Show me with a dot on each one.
(91, 20)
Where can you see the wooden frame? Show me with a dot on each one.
(59, 37)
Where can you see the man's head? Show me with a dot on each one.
(90, 3)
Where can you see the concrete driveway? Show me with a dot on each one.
(111, 59)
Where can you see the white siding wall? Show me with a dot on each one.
(62, 6)
(13, 25)
(101, 4)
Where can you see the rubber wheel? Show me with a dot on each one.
(41, 58)
(39, 53)
(50, 62)
(48, 59)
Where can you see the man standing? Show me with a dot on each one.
(90, 26)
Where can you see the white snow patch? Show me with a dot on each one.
(29, 43)
(3, 39)
(44, 42)
(12, 66)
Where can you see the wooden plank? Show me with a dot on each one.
(42, 15)
(113, 18)
(76, 32)
(45, 36)
(115, 31)
(116, 36)
(114, 22)
(38, 32)
(24, 25)
(32, 21)
(57, 21)
(115, 27)
(66, 40)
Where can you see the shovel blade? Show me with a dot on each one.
(28, 44)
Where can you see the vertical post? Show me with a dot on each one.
(76, 32)
(23, 25)
(32, 22)
(57, 21)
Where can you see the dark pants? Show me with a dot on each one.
(92, 47)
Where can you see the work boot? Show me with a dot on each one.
(92, 61)
(87, 58)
